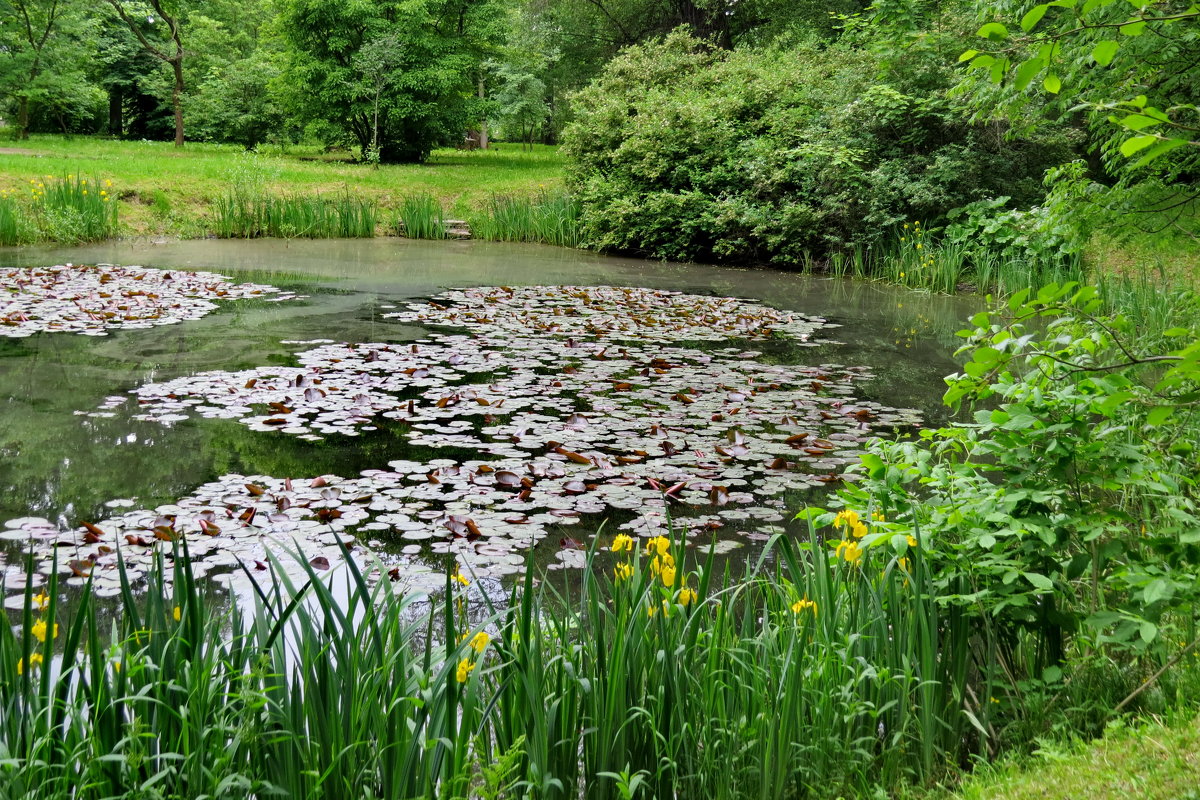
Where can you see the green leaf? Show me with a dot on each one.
(1026, 72)
(1052, 674)
(1038, 581)
(1052, 84)
(1033, 16)
(1105, 51)
(982, 61)
(1158, 589)
(1176, 332)
(1161, 149)
(993, 30)
(873, 463)
(968, 55)
(1148, 631)
(1159, 414)
(1133, 28)
(997, 73)
(1136, 143)
(1137, 122)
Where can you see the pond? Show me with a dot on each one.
(369, 401)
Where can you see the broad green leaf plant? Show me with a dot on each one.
(1064, 513)
(1126, 60)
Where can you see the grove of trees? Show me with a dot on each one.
(759, 130)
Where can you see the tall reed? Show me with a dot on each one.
(242, 214)
(421, 217)
(806, 675)
(547, 217)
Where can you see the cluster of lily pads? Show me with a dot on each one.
(91, 300)
(575, 403)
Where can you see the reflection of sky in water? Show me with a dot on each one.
(903, 336)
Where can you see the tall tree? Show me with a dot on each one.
(28, 29)
(398, 77)
(170, 54)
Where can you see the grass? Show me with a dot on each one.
(421, 216)
(806, 675)
(70, 209)
(548, 217)
(163, 191)
(1150, 761)
(250, 214)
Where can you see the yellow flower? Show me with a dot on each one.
(906, 226)
(659, 544)
(904, 564)
(35, 660)
(912, 542)
(901, 274)
(844, 518)
(878, 517)
(479, 642)
(177, 613)
(622, 543)
(804, 605)
(116, 666)
(41, 601)
(85, 191)
(622, 572)
(39, 630)
(653, 609)
(916, 224)
(668, 574)
(918, 243)
(859, 530)
(849, 551)
(687, 596)
(458, 576)
(465, 668)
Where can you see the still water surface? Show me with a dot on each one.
(65, 467)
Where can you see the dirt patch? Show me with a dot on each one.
(18, 151)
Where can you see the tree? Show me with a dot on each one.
(521, 101)
(170, 54)
(1135, 68)
(1128, 73)
(396, 76)
(30, 36)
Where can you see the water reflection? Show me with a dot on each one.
(66, 468)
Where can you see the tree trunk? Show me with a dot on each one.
(177, 99)
(483, 135)
(23, 117)
(116, 111)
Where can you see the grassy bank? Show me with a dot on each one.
(1150, 761)
(169, 192)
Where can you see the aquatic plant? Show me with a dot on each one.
(802, 674)
(92, 300)
(247, 213)
(547, 218)
(421, 217)
(557, 427)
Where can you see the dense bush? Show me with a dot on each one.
(682, 152)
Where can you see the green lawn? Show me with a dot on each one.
(1150, 762)
(164, 191)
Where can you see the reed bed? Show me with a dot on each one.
(421, 217)
(248, 215)
(72, 210)
(808, 675)
(547, 218)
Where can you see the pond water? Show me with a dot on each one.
(75, 446)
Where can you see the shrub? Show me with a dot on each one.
(681, 152)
